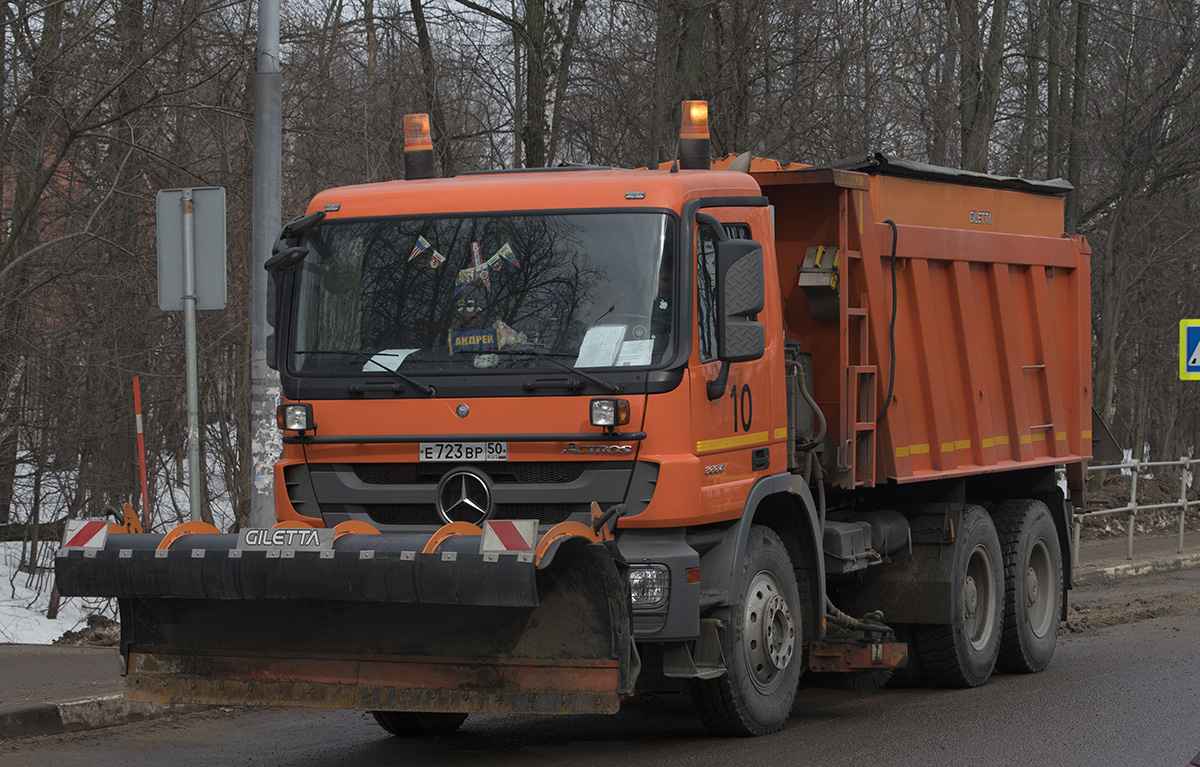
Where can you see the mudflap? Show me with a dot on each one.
(398, 630)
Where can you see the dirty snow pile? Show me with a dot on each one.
(24, 597)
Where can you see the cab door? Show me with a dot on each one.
(739, 432)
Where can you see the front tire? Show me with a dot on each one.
(1033, 586)
(418, 723)
(762, 646)
(963, 653)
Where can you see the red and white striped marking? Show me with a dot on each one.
(85, 534)
(508, 535)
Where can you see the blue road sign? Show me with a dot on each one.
(1189, 350)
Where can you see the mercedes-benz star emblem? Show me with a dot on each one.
(464, 496)
(462, 411)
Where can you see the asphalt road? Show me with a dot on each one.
(35, 674)
(1124, 689)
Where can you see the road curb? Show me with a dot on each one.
(87, 714)
(1131, 569)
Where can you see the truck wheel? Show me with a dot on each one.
(1033, 585)
(963, 652)
(418, 723)
(762, 646)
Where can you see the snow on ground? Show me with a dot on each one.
(24, 598)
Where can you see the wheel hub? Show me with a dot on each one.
(970, 597)
(1041, 607)
(768, 632)
(1031, 587)
(979, 598)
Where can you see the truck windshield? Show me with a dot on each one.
(485, 292)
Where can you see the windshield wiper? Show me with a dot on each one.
(608, 386)
(425, 389)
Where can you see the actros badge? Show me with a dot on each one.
(595, 449)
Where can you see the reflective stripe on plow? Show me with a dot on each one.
(509, 537)
(87, 532)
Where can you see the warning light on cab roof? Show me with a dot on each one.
(418, 147)
(693, 136)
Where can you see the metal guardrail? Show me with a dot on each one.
(1133, 507)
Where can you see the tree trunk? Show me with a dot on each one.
(566, 33)
(691, 45)
(35, 514)
(1053, 51)
(13, 369)
(979, 84)
(372, 42)
(534, 130)
(1141, 438)
(665, 40)
(1078, 109)
(1032, 85)
(518, 92)
(1107, 310)
(941, 94)
(437, 117)
(200, 484)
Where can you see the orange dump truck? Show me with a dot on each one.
(554, 436)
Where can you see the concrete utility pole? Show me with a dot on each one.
(267, 214)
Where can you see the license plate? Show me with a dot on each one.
(463, 451)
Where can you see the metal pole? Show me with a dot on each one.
(1075, 549)
(1184, 464)
(265, 444)
(189, 334)
(1132, 509)
(141, 440)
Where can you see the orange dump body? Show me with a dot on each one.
(992, 362)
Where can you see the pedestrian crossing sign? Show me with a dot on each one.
(1189, 350)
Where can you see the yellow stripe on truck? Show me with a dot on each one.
(728, 443)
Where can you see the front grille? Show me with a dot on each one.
(545, 513)
(532, 472)
(390, 473)
(425, 514)
(403, 514)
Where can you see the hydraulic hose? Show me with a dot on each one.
(813, 404)
(820, 492)
(839, 618)
(891, 328)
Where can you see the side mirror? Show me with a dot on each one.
(275, 287)
(740, 289)
(286, 258)
(287, 252)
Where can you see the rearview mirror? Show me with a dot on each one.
(739, 298)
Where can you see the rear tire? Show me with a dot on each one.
(418, 723)
(762, 645)
(1033, 586)
(963, 653)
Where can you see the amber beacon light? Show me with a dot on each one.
(693, 136)
(418, 147)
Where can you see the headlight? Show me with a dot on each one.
(295, 417)
(610, 413)
(649, 585)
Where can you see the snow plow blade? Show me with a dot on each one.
(371, 623)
